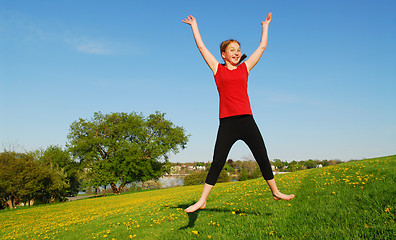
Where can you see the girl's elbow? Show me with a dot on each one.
(263, 47)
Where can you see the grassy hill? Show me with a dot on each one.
(354, 200)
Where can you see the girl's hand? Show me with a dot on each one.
(190, 20)
(267, 20)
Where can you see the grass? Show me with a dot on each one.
(354, 200)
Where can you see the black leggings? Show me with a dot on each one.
(236, 128)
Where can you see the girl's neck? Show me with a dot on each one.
(229, 65)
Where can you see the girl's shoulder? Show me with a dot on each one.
(220, 67)
(242, 65)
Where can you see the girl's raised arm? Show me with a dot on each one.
(255, 57)
(209, 58)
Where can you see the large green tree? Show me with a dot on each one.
(120, 148)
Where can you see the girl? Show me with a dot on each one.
(236, 120)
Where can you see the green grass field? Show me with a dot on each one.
(354, 200)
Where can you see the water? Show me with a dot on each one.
(171, 181)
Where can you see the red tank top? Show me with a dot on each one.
(232, 87)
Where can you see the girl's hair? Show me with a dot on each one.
(225, 44)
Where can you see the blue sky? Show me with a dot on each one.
(324, 88)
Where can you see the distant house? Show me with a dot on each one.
(201, 168)
(176, 168)
(319, 166)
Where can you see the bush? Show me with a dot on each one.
(245, 175)
(195, 178)
(200, 177)
(224, 177)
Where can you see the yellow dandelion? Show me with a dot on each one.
(209, 236)
(195, 232)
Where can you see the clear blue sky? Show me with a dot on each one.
(325, 87)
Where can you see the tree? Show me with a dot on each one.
(120, 148)
(310, 164)
(17, 176)
(230, 162)
(280, 165)
(60, 161)
(228, 168)
(224, 177)
(52, 184)
(24, 178)
(196, 178)
(250, 166)
(244, 175)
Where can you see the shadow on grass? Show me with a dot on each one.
(192, 217)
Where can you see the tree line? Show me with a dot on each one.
(109, 149)
(245, 170)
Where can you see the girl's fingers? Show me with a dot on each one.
(269, 16)
(268, 19)
(186, 20)
(189, 20)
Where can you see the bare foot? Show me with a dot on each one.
(195, 207)
(281, 196)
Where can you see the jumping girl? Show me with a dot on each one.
(236, 117)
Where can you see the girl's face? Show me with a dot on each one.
(232, 54)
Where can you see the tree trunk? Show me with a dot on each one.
(10, 203)
(114, 188)
(121, 187)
